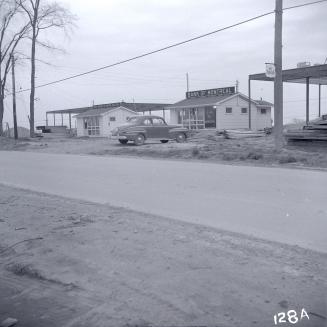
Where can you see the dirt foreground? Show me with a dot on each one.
(67, 263)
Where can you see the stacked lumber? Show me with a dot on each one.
(240, 134)
(316, 131)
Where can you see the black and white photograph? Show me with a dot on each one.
(163, 163)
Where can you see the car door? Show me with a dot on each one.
(147, 125)
(159, 128)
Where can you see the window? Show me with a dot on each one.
(85, 123)
(244, 110)
(158, 121)
(112, 118)
(229, 110)
(147, 122)
(93, 126)
(263, 111)
(192, 118)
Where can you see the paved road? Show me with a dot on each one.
(284, 205)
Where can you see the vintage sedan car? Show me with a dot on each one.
(140, 128)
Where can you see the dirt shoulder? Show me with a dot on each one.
(72, 263)
(204, 146)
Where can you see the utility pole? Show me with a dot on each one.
(278, 83)
(14, 96)
(237, 85)
(187, 83)
(319, 104)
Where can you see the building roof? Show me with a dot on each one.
(215, 100)
(317, 74)
(101, 111)
(138, 107)
(263, 103)
(201, 101)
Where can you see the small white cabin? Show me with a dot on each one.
(101, 121)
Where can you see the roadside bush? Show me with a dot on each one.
(229, 156)
(254, 156)
(195, 152)
(287, 159)
(203, 155)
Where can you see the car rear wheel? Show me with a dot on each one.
(139, 139)
(180, 137)
(123, 141)
(163, 141)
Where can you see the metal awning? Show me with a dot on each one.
(316, 75)
(134, 106)
(69, 111)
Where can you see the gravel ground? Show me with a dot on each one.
(205, 145)
(67, 263)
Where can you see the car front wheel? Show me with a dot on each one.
(180, 137)
(139, 139)
(123, 141)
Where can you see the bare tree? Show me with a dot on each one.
(42, 15)
(13, 29)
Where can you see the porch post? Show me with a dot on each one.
(196, 118)
(189, 119)
(319, 104)
(249, 87)
(46, 119)
(54, 119)
(307, 114)
(70, 121)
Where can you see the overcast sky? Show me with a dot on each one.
(112, 30)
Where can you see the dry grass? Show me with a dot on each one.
(205, 145)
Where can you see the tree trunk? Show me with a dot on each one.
(32, 94)
(1, 113)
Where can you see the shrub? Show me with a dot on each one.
(229, 156)
(254, 156)
(195, 152)
(203, 155)
(287, 159)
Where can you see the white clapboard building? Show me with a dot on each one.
(101, 121)
(221, 108)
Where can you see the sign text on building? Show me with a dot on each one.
(210, 92)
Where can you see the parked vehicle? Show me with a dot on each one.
(140, 128)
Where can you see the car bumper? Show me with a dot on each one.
(118, 137)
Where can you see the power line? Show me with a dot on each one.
(169, 46)
(303, 100)
(304, 4)
(153, 52)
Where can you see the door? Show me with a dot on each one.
(159, 128)
(147, 125)
(210, 117)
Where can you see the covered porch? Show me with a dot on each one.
(194, 118)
